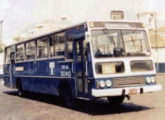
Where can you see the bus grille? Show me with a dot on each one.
(128, 81)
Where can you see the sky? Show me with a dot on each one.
(19, 14)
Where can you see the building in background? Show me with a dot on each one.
(157, 38)
(45, 27)
(149, 18)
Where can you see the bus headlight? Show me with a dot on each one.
(108, 83)
(153, 79)
(148, 79)
(102, 83)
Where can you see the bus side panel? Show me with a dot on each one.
(6, 76)
(90, 76)
(42, 85)
(44, 76)
(89, 68)
(38, 68)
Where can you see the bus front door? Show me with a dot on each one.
(79, 59)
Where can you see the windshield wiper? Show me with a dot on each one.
(133, 41)
(111, 38)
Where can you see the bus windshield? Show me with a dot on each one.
(117, 43)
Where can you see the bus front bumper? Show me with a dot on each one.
(125, 91)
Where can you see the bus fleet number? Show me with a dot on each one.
(65, 74)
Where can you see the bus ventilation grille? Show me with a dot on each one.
(128, 81)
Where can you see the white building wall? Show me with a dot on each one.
(1, 58)
(159, 58)
(1, 63)
(159, 55)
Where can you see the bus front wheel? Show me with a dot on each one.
(67, 95)
(116, 100)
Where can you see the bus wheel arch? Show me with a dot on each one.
(66, 93)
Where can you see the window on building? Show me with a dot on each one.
(30, 50)
(20, 52)
(42, 47)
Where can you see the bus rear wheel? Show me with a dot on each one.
(116, 100)
(67, 95)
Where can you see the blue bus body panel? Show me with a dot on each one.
(37, 76)
(44, 75)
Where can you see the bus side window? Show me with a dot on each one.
(7, 55)
(57, 45)
(60, 47)
(42, 47)
(30, 50)
(69, 48)
(53, 43)
(20, 52)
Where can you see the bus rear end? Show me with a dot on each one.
(122, 61)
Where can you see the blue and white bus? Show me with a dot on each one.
(90, 60)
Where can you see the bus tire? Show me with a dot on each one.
(116, 100)
(20, 90)
(67, 95)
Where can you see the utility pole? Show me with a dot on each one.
(1, 43)
(1, 25)
(156, 42)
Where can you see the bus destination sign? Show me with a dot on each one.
(113, 25)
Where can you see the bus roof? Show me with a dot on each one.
(76, 25)
(50, 33)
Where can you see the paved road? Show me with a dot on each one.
(42, 107)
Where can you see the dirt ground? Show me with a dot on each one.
(150, 106)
